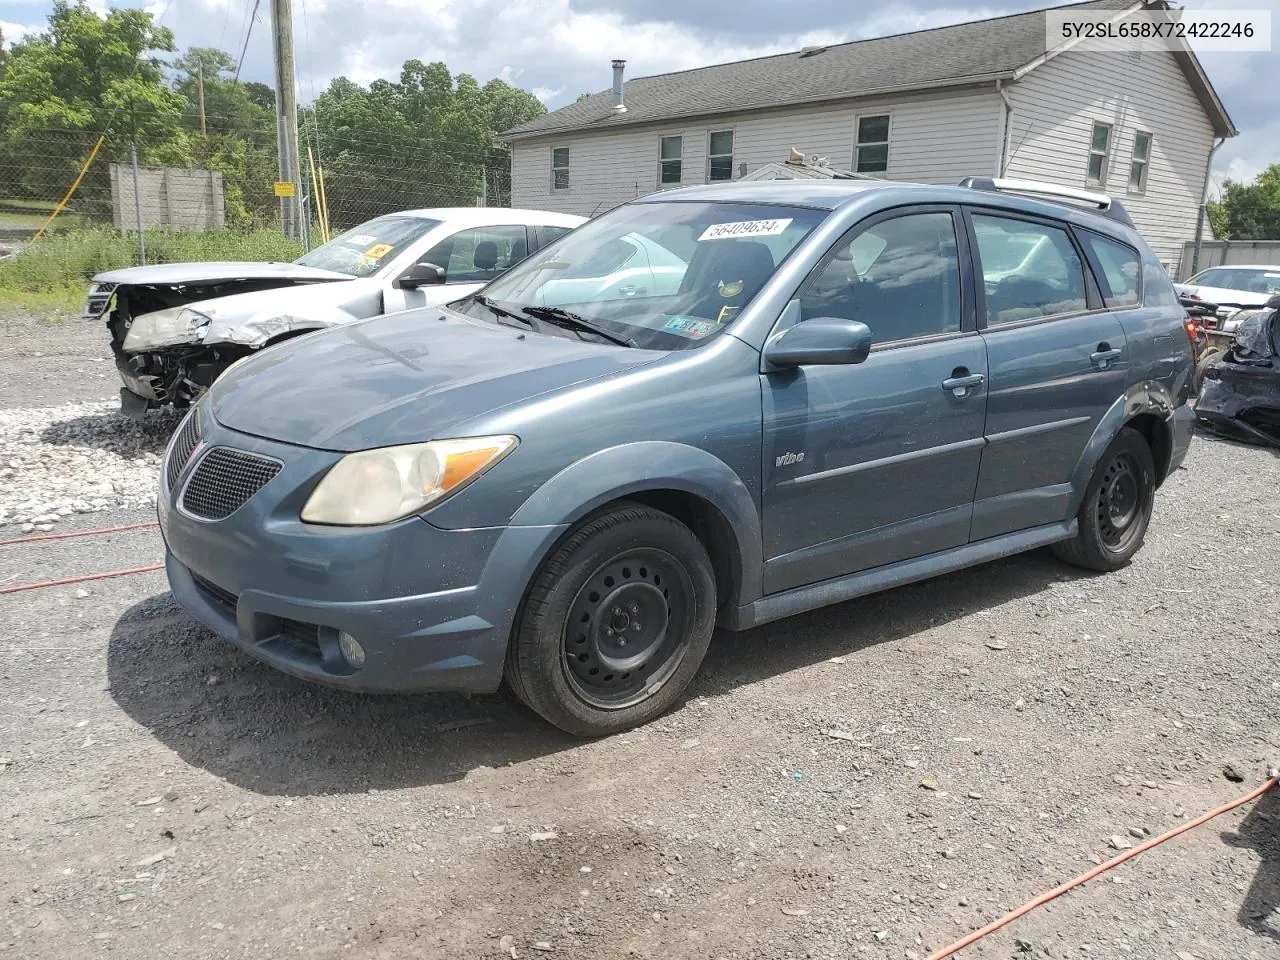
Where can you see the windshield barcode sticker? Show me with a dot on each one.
(745, 228)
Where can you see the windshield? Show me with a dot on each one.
(665, 275)
(1252, 280)
(362, 251)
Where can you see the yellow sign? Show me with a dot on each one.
(284, 188)
(378, 251)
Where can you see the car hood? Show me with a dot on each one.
(403, 378)
(161, 274)
(1222, 296)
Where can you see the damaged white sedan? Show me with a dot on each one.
(176, 327)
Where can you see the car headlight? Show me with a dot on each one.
(166, 328)
(378, 486)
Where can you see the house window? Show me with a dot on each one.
(871, 152)
(669, 159)
(560, 168)
(1099, 146)
(720, 155)
(1141, 160)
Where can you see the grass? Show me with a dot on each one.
(51, 276)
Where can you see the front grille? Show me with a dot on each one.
(223, 481)
(223, 599)
(181, 448)
(96, 302)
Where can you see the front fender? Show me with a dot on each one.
(265, 325)
(631, 468)
(1146, 397)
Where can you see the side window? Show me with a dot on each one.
(1028, 269)
(1121, 269)
(479, 254)
(559, 168)
(900, 277)
(549, 235)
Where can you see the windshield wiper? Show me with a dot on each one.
(501, 311)
(573, 321)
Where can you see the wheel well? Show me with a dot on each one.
(1156, 433)
(289, 335)
(710, 527)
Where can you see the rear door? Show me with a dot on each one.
(871, 463)
(1057, 360)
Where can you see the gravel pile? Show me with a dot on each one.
(77, 458)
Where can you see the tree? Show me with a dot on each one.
(240, 137)
(63, 88)
(427, 139)
(1249, 211)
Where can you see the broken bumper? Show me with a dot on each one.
(1242, 402)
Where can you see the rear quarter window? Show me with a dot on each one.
(1122, 272)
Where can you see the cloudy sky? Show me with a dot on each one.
(561, 48)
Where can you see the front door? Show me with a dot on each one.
(1057, 359)
(876, 462)
(470, 258)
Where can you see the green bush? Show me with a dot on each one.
(53, 272)
(76, 256)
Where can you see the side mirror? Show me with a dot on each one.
(822, 340)
(421, 275)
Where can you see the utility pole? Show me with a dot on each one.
(286, 115)
(200, 87)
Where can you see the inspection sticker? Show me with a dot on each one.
(745, 228)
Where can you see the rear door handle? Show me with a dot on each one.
(961, 387)
(1102, 357)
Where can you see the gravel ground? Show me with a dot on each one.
(876, 778)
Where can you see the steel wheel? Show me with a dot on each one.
(1119, 502)
(625, 632)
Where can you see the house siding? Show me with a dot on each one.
(1056, 105)
(939, 138)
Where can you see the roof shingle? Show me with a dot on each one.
(943, 56)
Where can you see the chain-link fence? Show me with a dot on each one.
(225, 184)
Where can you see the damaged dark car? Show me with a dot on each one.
(1240, 396)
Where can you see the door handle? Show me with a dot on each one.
(961, 386)
(1102, 357)
(630, 291)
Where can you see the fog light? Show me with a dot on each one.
(352, 652)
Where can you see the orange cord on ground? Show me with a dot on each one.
(78, 533)
(18, 588)
(1056, 892)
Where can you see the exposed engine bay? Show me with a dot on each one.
(178, 373)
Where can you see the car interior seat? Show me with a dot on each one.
(724, 273)
(485, 256)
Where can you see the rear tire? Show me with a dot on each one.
(615, 623)
(1116, 509)
(1209, 359)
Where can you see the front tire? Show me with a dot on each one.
(1116, 509)
(615, 624)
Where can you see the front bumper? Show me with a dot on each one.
(432, 608)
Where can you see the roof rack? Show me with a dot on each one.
(1098, 202)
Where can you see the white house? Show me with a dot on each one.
(975, 99)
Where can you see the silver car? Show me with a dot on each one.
(176, 327)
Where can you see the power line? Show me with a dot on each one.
(253, 17)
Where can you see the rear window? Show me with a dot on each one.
(1121, 270)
